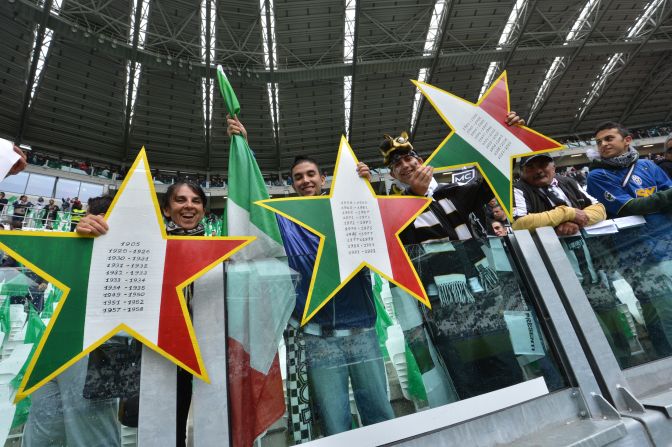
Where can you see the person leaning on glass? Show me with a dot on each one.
(183, 207)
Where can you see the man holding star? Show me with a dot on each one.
(455, 214)
(340, 340)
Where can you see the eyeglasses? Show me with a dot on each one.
(396, 163)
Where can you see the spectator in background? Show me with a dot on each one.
(666, 163)
(76, 214)
(20, 208)
(498, 215)
(3, 201)
(65, 204)
(52, 211)
(499, 229)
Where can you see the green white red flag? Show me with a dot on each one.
(260, 294)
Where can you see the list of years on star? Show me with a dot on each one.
(356, 220)
(126, 270)
(493, 138)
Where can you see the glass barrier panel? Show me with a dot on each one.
(375, 353)
(371, 354)
(627, 277)
(80, 406)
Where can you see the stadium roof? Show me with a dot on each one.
(98, 79)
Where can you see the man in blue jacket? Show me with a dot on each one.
(340, 340)
(628, 186)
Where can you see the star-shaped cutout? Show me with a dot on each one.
(357, 229)
(130, 279)
(480, 136)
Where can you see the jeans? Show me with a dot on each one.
(60, 416)
(331, 360)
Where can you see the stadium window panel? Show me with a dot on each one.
(66, 189)
(88, 190)
(15, 183)
(40, 185)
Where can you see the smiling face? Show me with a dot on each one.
(307, 180)
(404, 167)
(610, 143)
(538, 172)
(185, 208)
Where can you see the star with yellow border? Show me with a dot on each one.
(130, 279)
(480, 136)
(357, 229)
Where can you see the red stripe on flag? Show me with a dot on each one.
(395, 213)
(184, 259)
(256, 400)
(496, 105)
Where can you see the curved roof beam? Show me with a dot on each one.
(208, 17)
(41, 46)
(137, 35)
(513, 29)
(581, 31)
(658, 74)
(350, 34)
(267, 14)
(646, 25)
(438, 25)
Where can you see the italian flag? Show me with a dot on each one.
(260, 295)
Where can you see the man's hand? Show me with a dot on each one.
(20, 164)
(566, 229)
(92, 225)
(581, 218)
(363, 171)
(235, 127)
(420, 179)
(512, 119)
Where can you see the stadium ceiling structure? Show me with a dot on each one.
(98, 79)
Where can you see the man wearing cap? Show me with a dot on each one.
(628, 186)
(542, 198)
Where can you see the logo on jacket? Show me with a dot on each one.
(645, 192)
(609, 197)
(637, 179)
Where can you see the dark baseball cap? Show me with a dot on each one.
(526, 160)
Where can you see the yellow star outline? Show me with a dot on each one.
(141, 158)
(502, 78)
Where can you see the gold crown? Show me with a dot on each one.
(390, 146)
